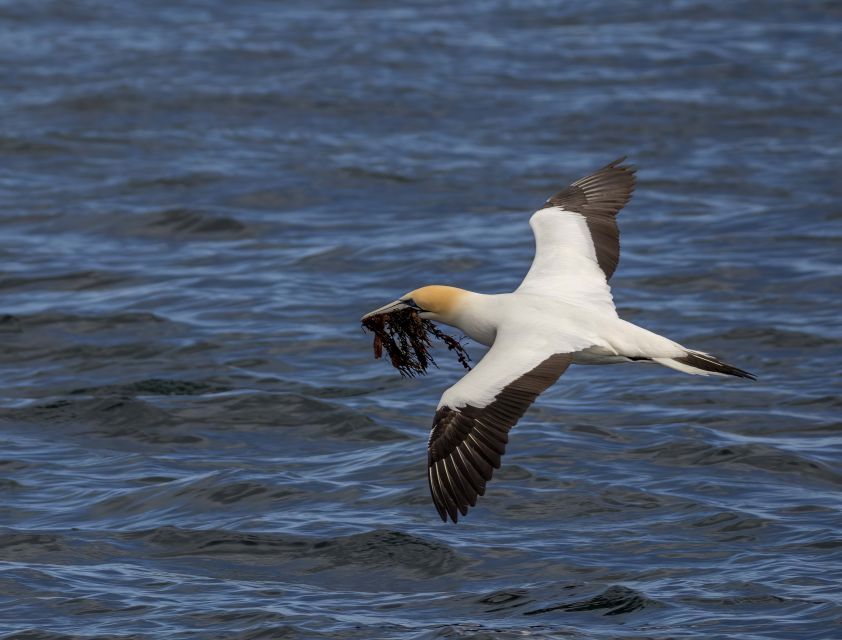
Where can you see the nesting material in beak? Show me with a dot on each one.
(406, 338)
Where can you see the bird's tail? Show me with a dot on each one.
(703, 364)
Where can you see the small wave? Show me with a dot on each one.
(106, 417)
(192, 222)
(729, 522)
(187, 179)
(29, 145)
(9, 324)
(153, 387)
(585, 502)
(759, 456)
(383, 549)
(362, 172)
(20, 546)
(505, 600)
(13, 465)
(330, 256)
(378, 549)
(170, 499)
(615, 600)
(774, 337)
(85, 324)
(310, 416)
(73, 281)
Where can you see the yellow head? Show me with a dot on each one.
(435, 302)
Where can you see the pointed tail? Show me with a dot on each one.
(703, 364)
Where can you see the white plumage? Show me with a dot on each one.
(561, 314)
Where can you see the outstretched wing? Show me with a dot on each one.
(473, 419)
(577, 241)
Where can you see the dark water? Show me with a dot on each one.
(201, 198)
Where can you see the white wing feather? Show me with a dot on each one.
(515, 352)
(565, 264)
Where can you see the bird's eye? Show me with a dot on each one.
(409, 302)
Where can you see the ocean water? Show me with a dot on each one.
(199, 201)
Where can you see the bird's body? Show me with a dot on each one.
(561, 314)
(604, 336)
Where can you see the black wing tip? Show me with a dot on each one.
(446, 515)
(618, 164)
(442, 512)
(606, 190)
(450, 493)
(706, 362)
(616, 170)
(625, 174)
(740, 373)
(440, 508)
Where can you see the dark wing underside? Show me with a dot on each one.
(599, 197)
(466, 443)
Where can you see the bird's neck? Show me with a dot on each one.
(476, 316)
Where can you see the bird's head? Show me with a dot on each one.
(435, 302)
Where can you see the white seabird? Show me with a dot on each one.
(561, 314)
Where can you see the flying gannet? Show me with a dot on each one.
(561, 314)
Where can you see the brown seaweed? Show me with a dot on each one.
(406, 338)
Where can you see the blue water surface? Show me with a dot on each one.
(199, 201)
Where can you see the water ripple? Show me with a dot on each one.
(201, 199)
